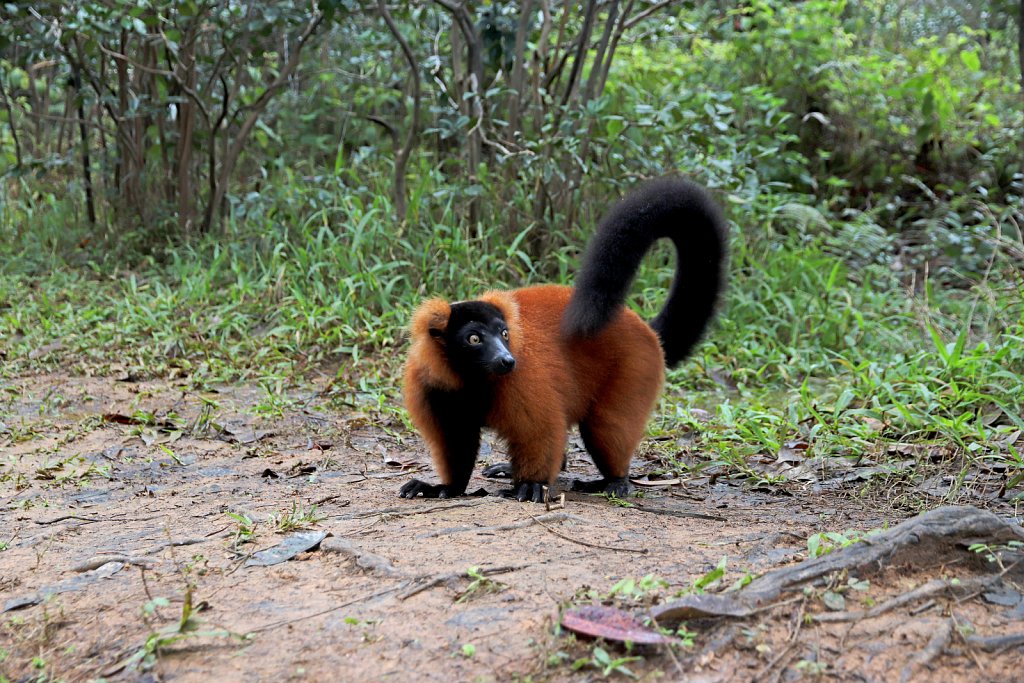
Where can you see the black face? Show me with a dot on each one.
(476, 340)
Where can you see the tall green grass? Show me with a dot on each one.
(824, 335)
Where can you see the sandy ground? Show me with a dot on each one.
(112, 527)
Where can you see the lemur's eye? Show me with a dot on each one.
(504, 335)
(473, 339)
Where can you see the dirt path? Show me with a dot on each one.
(147, 515)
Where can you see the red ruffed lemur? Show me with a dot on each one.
(529, 363)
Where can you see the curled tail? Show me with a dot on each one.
(667, 207)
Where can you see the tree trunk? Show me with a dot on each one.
(519, 68)
(83, 131)
(10, 122)
(186, 127)
(256, 109)
(475, 77)
(402, 154)
(1020, 46)
(581, 53)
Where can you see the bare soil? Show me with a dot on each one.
(132, 520)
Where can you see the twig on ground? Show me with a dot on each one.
(927, 590)
(547, 517)
(328, 499)
(668, 649)
(188, 541)
(405, 511)
(963, 637)
(678, 513)
(98, 561)
(284, 622)
(923, 608)
(936, 644)
(87, 520)
(799, 618)
(641, 551)
(431, 581)
(775, 660)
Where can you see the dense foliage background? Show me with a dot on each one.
(226, 190)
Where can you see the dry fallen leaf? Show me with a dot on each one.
(611, 623)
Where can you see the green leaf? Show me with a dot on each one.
(970, 60)
(834, 601)
(712, 576)
(614, 126)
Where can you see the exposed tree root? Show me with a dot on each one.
(937, 533)
(940, 533)
(936, 645)
(996, 643)
(933, 587)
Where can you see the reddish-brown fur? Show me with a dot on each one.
(607, 384)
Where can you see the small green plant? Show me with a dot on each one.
(479, 584)
(186, 627)
(742, 581)
(812, 668)
(606, 664)
(826, 542)
(711, 578)
(367, 626)
(245, 530)
(616, 501)
(468, 650)
(993, 552)
(274, 402)
(686, 637)
(631, 589)
(74, 470)
(204, 422)
(294, 520)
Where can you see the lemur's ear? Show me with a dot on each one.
(431, 319)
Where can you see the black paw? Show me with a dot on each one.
(415, 487)
(618, 487)
(501, 470)
(531, 491)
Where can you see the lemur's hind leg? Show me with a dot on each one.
(614, 428)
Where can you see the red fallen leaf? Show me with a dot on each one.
(611, 623)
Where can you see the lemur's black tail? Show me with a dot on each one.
(667, 207)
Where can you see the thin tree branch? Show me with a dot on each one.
(402, 155)
(256, 109)
(581, 52)
(647, 12)
(10, 123)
